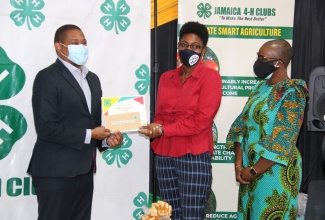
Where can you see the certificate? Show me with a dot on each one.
(124, 113)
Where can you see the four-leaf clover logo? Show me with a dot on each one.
(107, 103)
(119, 153)
(27, 11)
(204, 10)
(143, 74)
(115, 16)
(139, 201)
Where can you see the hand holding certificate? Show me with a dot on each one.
(153, 130)
(124, 113)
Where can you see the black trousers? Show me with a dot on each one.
(64, 198)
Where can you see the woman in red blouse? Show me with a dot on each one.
(187, 102)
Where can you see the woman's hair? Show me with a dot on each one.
(196, 28)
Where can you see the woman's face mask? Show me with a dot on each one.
(189, 57)
(264, 70)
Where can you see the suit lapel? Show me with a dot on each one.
(72, 81)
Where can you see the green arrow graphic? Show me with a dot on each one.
(12, 77)
(13, 126)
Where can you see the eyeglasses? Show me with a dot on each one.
(262, 58)
(183, 46)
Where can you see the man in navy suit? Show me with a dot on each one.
(67, 114)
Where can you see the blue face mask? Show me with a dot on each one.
(78, 54)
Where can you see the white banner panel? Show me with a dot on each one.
(118, 35)
(237, 29)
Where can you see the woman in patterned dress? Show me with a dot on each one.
(264, 135)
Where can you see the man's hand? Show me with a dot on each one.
(100, 133)
(114, 139)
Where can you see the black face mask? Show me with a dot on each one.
(263, 70)
(189, 57)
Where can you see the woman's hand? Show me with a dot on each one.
(153, 130)
(246, 176)
(238, 170)
(238, 164)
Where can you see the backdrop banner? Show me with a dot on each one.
(118, 35)
(237, 29)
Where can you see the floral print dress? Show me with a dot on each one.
(268, 127)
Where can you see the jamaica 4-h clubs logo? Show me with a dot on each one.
(119, 154)
(143, 74)
(27, 11)
(115, 15)
(204, 10)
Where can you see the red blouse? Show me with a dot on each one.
(186, 111)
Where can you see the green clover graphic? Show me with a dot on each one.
(12, 77)
(13, 126)
(139, 201)
(119, 153)
(27, 10)
(107, 103)
(115, 16)
(204, 10)
(144, 75)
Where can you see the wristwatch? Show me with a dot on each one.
(253, 171)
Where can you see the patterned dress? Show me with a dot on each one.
(269, 127)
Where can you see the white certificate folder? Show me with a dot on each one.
(124, 113)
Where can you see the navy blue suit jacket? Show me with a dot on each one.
(61, 118)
